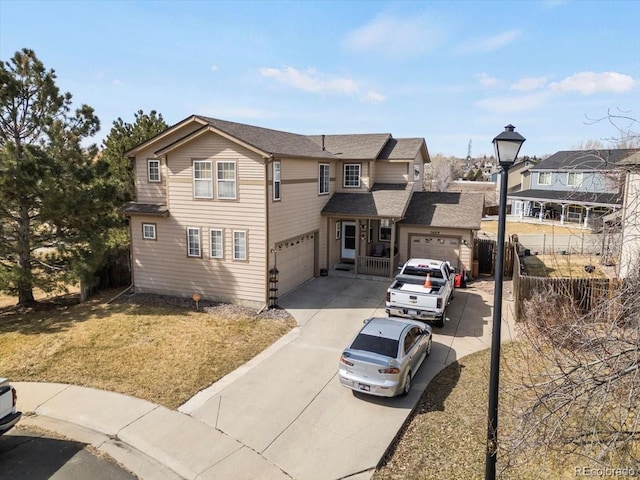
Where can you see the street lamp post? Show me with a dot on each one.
(507, 145)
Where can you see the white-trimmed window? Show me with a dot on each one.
(239, 245)
(277, 181)
(544, 178)
(323, 179)
(574, 179)
(385, 230)
(217, 243)
(351, 175)
(153, 170)
(193, 242)
(226, 180)
(202, 179)
(149, 231)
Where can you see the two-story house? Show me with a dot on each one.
(573, 186)
(245, 214)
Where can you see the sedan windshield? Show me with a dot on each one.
(380, 345)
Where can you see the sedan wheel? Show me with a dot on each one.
(407, 385)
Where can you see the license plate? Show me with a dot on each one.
(364, 387)
(412, 312)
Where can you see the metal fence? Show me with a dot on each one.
(580, 243)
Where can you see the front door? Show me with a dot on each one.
(349, 240)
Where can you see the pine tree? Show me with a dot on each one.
(50, 209)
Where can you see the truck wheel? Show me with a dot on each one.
(440, 321)
(407, 385)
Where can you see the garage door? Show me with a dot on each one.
(295, 262)
(437, 248)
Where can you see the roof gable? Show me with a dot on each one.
(585, 159)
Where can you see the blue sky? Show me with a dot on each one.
(449, 71)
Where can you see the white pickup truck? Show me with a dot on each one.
(9, 416)
(411, 296)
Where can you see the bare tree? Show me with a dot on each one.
(574, 390)
(441, 172)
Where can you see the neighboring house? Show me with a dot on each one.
(245, 214)
(573, 186)
(630, 217)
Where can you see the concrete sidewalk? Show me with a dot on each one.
(283, 415)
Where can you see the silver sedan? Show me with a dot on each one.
(384, 356)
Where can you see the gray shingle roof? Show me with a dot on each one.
(365, 146)
(560, 196)
(445, 209)
(383, 201)
(134, 208)
(401, 149)
(275, 142)
(584, 159)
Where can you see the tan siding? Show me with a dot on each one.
(393, 172)
(151, 192)
(298, 211)
(165, 267)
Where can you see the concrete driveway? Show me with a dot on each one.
(290, 407)
(283, 415)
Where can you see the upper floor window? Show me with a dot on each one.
(544, 178)
(574, 179)
(202, 179)
(217, 243)
(193, 242)
(149, 231)
(153, 170)
(226, 179)
(351, 175)
(276, 180)
(323, 179)
(239, 245)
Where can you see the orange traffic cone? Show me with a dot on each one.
(427, 282)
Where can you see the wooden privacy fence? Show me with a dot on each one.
(588, 293)
(485, 251)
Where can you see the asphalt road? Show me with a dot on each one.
(29, 455)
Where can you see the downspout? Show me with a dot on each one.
(267, 161)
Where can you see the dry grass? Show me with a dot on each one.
(563, 266)
(446, 436)
(161, 353)
(523, 228)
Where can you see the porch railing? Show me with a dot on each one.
(378, 266)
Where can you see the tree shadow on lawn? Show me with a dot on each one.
(58, 314)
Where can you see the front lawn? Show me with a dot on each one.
(147, 347)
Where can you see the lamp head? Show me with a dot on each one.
(507, 145)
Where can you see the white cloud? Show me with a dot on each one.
(214, 68)
(513, 104)
(487, 80)
(374, 97)
(310, 81)
(117, 82)
(588, 83)
(397, 37)
(489, 44)
(529, 84)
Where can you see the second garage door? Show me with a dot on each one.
(435, 247)
(295, 262)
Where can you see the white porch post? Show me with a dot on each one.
(392, 249)
(562, 214)
(541, 213)
(586, 217)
